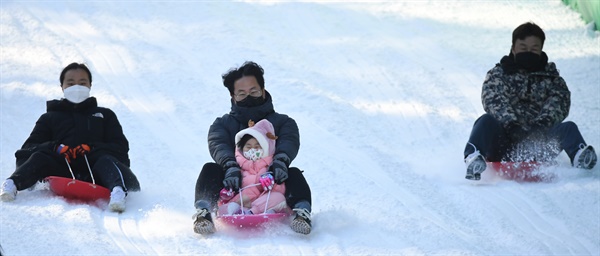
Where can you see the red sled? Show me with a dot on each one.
(251, 220)
(521, 171)
(76, 189)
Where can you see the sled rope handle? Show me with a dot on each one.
(70, 170)
(88, 166)
(90, 169)
(241, 199)
(267, 204)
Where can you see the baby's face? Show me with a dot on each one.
(250, 144)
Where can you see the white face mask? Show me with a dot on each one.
(253, 154)
(77, 93)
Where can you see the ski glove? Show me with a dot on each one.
(267, 181)
(65, 152)
(233, 176)
(81, 150)
(279, 168)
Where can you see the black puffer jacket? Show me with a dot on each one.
(221, 134)
(75, 124)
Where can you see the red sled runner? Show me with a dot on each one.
(521, 171)
(72, 188)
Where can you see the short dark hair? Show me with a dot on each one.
(74, 65)
(528, 29)
(243, 141)
(249, 68)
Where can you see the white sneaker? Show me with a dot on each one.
(475, 165)
(117, 200)
(9, 191)
(585, 158)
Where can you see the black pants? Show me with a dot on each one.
(490, 138)
(107, 170)
(210, 183)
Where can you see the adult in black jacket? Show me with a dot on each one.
(250, 101)
(72, 133)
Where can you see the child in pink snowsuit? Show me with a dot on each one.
(254, 153)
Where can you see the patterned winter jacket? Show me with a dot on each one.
(528, 98)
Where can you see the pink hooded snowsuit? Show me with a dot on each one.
(255, 197)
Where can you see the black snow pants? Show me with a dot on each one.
(210, 183)
(107, 170)
(490, 138)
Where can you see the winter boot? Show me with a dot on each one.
(203, 223)
(585, 158)
(301, 223)
(9, 191)
(475, 165)
(117, 200)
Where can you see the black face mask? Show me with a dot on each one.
(250, 101)
(528, 61)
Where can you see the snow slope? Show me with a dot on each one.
(384, 93)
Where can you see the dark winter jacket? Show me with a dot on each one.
(75, 124)
(539, 98)
(221, 134)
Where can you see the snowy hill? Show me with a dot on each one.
(385, 95)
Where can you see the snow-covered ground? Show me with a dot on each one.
(385, 95)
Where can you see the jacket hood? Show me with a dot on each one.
(65, 105)
(263, 132)
(510, 67)
(245, 114)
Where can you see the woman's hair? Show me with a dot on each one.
(74, 65)
(249, 68)
(243, 141)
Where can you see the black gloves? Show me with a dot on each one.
(233, 176)
(279, 168)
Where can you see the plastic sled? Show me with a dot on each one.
(76, 189)
(249, 221)
(520, 171)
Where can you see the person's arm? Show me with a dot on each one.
(556, 106)
(41, 136)
(287, 146)
(220, 142)
(495, 97)
(40, 139)
(288, 139)
(113, 141)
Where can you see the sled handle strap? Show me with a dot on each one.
(267, 204)
(242, 200)
(90, 169)
(70, 170)
(249, 186)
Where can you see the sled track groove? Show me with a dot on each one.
(524, 216)
(125, 233)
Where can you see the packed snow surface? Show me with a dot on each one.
(384, 93)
